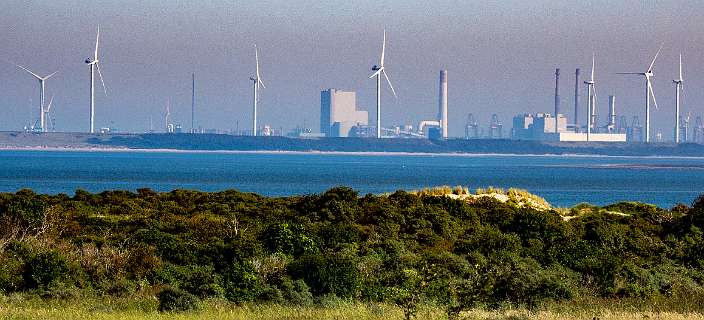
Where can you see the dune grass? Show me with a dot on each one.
(22, 307)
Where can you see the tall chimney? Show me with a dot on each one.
(442, 112)
(612, 110)
(576, 100)
(557, 96)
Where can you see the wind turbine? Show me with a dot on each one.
(41, 94)
(648, 93)
(591, 100)
(257, 81)
(94, 64)
(378, 71)
(678, 87)
(168, 113)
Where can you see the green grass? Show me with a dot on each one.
(36, 308)
(32, 307)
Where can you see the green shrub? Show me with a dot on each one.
(522, 281)
(296, 292)
(11, 269)
(241, 282)
(328, 274)
(45, 267)
(26, 209)
(175, 300)
(271, 294)
(287, 238)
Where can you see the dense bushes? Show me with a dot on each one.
(175, 300)
(401, 248)
(328, 274)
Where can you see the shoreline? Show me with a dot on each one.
(318, 152)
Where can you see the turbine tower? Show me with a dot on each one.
(257, 81)
(193, 102)
(678, 88)
(648, 93)
(591, 100)
(42, 119)
(167, 115)
(576, 100)
(94, 64)
(378, 71)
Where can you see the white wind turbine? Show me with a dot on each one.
(257, 81)
(648, 93)
(167, 115)
(94, 64)
(678, 88)
(591, 100)
(378, 71)
(41, 95)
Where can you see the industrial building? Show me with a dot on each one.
(547, 127)
(541, 127)
(339, 114)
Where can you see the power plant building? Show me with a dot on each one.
(538, 126)
(541, 127)
(339, 114)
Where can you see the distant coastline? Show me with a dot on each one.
(360, 153)
(218, 143)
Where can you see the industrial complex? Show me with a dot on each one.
(340, 116)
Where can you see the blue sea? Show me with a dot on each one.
(562, 180)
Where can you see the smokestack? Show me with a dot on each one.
(612, 110)
(576, 100)
(442, 112)
(557, 96)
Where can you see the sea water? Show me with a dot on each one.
(561, 180)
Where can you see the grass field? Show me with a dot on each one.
(20, 307)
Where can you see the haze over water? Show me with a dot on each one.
(562, 181)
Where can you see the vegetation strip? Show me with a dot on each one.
(428, 254)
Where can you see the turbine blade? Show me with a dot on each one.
(32, 73)
(256, 57)
(97, 42)
(375, 73)
(389, 82)
(383, 49)
(97, 65)
(261, 83)
(652, 93)
(681, 67)
(650, 69)
(593, 64)
(50, 102)
(51, 75)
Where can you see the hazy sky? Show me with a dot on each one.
(501, 57)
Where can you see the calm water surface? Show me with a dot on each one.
(563, 181)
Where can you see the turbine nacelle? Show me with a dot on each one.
(375, 68)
